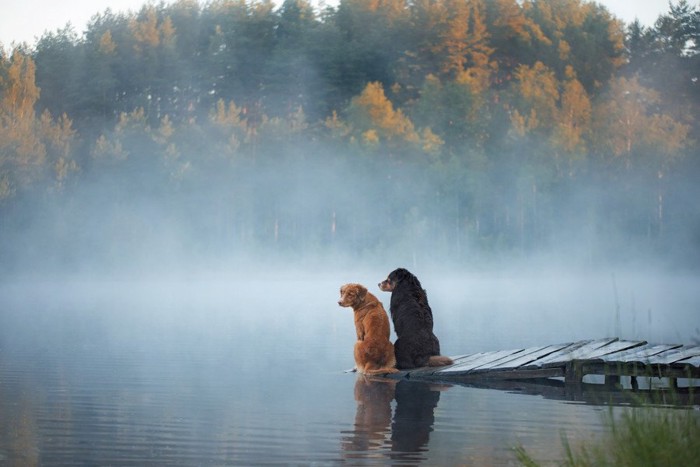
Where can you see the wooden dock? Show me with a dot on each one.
(611, 357)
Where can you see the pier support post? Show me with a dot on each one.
(612, 381)
(573, 374)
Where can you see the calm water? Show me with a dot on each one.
(244, 372)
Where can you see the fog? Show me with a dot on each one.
(319, 210)
(310, 214)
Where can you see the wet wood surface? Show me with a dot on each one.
(611, 357)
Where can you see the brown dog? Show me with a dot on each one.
(374, 352)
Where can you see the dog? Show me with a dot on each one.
(374, 352)
(416, 345)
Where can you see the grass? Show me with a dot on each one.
(641, 436)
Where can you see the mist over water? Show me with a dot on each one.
(248, 368)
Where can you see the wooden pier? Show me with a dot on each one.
(570, 363)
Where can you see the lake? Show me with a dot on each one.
(249, 370)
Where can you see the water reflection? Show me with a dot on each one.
(403, 436)
(18, 433)
(372, 426)
(414, 416)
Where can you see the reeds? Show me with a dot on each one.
(638, 436)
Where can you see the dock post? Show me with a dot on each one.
(612, 381)
(673, 383)
(573, 373)
(634, 383)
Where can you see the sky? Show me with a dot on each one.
(26, 20)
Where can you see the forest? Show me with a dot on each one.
(460, 131)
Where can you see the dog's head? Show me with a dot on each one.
(394, 277)
(352, 295)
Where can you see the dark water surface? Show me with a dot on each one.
(250, 372)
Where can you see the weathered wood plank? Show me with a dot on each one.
(464, 360)
(611, 348)
(469, 358)
(582, 352)
(486, 359)
(456, 358)
(528, 356)
(573, 351)
(639, 354)
(558, 356)
(672, 356)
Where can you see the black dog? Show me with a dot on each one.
(416, 345)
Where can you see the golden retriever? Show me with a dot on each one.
(374, 352)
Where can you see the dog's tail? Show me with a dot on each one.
(440, 360)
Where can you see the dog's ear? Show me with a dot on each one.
(398, 275)
(361, 293)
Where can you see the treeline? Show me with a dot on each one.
(446, 128)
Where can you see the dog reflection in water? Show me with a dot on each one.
(372, 418)
(376, 433)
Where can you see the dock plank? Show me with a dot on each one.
(574, 351)
(639, 354)
(609, 349)
(672, 356)
(456, 358)
(465, 359)
(558, 355)
(528, 356)
(486, 359)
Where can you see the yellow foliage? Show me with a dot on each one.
(166, 129)
(431, 142)
(149, 32)
(106, 149)
(375, 111)
(537, 94)
(666, 134)
(167, 32)
(337, 127)
(63, 168)
(145, 30)
(512, 17)
(107, 45)
(518, 122)
(228, 116)
(564, 50)
(19, 93)
(58, 136)
(573, 118)
(625, 120)
(370, 136)
(135, 119)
